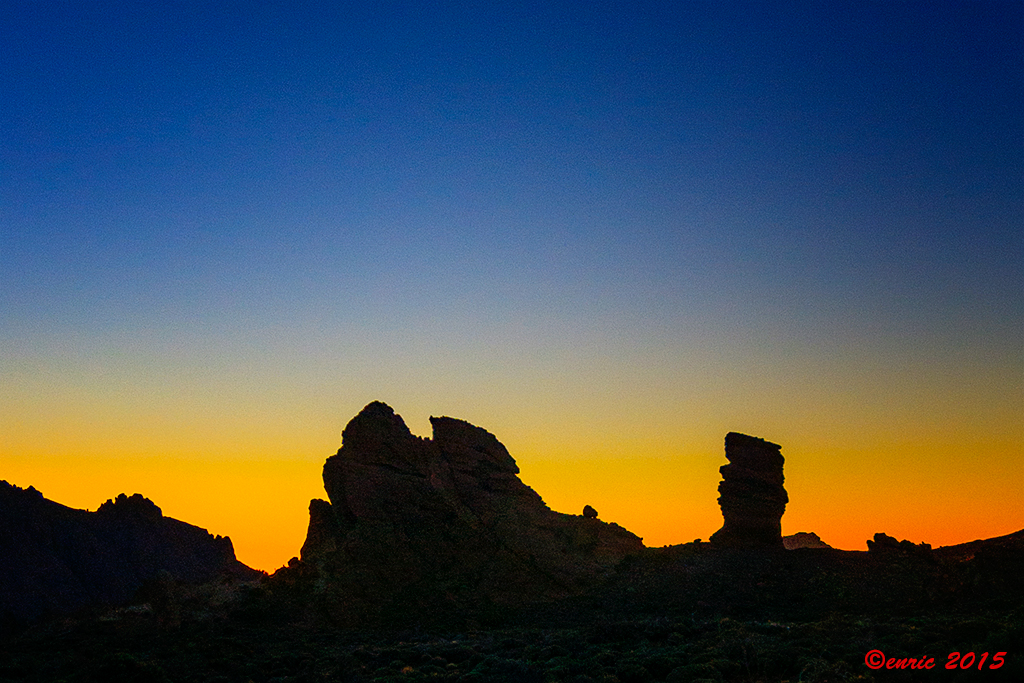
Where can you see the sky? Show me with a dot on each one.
(607, 232)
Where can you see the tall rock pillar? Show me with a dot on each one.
(751, 493)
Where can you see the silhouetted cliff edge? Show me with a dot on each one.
(443, 523)
(55, 559)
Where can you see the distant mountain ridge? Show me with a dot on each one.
(55, 559)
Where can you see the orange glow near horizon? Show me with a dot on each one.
(666, 497)
(925, 451)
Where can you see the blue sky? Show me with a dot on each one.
(855, 151)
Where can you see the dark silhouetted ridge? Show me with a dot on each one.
(55, 559)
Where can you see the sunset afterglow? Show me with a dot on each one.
(608, 234)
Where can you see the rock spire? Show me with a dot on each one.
(752, 497)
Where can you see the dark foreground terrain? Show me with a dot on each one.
(137, 648)
(685, 613)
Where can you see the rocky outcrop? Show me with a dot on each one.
(885, 544)
(1013, 543)
(55, 559)
(752, 497)
(443, 521)
(803, 539)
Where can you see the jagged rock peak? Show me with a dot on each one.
(8, 489)
(752, 460)
(375, 425)
(135, 505)
(884, 543)
(383, 472)
(456, 436)
(445, 516)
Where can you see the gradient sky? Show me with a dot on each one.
(607, 232)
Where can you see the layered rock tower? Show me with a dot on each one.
(752, 497)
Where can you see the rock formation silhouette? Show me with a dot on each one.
(884, 543)
(752, 497)
(413, 520)
(440, 532)
(803, 539)
(55, 559)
